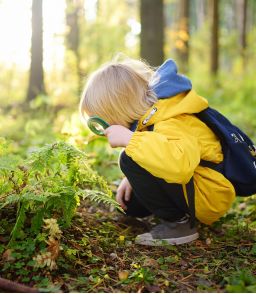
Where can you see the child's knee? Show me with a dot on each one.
(125, 162)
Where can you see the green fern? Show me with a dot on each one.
(19, 223)
(69, 207)
(11, 199)
(100, 197)
(37, 220)
(50, 182)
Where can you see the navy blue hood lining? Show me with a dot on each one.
(167, 82)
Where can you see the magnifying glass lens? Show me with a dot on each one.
(98, 127)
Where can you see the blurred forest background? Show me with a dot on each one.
(47, 50)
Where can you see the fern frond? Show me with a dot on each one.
(5, 187)
(11, 199)
(37, 220)
(28, 196)
(19, 223)
(69, 208)
(100, 197)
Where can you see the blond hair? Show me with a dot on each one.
(119, 92)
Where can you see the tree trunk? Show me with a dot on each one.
(73, 11)
(214, 10)
(182, 43)
(152, 31)
(36, 75)
(242, 19)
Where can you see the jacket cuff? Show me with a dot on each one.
(133, 143)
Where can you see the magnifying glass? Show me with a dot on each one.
(97, 125)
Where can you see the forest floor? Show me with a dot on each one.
(221, 260)
(97, 252)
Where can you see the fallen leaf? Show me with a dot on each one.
(7, 255)
(150, 262)
(123, 275)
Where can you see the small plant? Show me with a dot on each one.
(241, 281)
(48, 258)
(49, 184)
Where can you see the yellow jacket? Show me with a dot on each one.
(174, 149)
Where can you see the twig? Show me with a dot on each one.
(11, 286)
(185, 278)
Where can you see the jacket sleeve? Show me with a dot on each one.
(170, 157)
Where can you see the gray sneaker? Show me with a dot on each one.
(174, 233)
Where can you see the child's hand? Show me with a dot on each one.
(118, 136)
(123, 193)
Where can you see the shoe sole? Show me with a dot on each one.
(162, 242)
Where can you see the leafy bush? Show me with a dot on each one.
(49, 184)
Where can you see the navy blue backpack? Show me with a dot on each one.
(239, 152)
(239, 157)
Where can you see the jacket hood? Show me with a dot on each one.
(175, 96)
(167, 82)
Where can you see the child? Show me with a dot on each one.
(164, 142)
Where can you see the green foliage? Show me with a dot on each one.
(103, 158)
(241, 282)
(236, 99)
(108, 34)
(49, 183)
(142, 274)
(99, 197)
(12, 85)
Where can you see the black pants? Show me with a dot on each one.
(152, 195)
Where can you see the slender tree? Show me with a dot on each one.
(182, 48)
(36, 74)
(74, 9)
(242, 20)
(214, 11)
(152, 31)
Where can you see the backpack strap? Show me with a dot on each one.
(215, 166)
